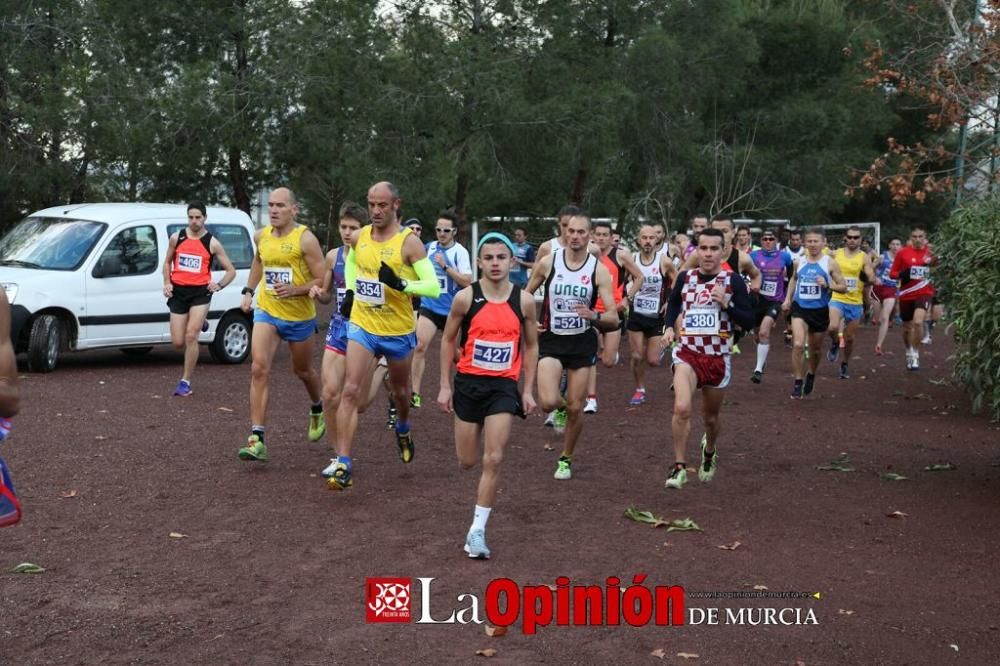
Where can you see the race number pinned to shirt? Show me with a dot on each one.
(369, 291)
(647, 306)
(189, 263)
(768, 288)
(809, 291)
(701, 320)
(443, 283)
(919, 272)
(275, 275)
(852, 284)
(490, 355)
(568, 324)
(341, 294)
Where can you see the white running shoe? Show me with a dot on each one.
(550, 419)
(591, 406)
(331, 468)
(926, 340)
(915, 361)
(475, 545)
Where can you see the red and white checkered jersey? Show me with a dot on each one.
(705, 326)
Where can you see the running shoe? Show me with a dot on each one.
(831, 355)
(404, 440)
(254, 450)
(915, 361)
(559, 420)
(341, 477)
(843, 371)
(909, 360)
(706, 471)
(204, 326)
(183, 388)
(677, 479)
(807, 388)
(756, 376)
(878, 350)
(550, 420)
(317, 426)
(638, 398)
(926, 339)
(591, 406)
(563, 471)
(415, 400)
(390, 421)
(736, 349)
(796, 391)
(475, 545)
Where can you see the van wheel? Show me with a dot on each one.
(136, 352)
(43, 343)
(232, 339)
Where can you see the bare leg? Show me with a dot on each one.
(196, 317)
(425, 334)
(685, 383)
(576, 388)
(265, 344)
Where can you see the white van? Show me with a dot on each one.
(89, 276)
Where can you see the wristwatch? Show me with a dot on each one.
(246, 290)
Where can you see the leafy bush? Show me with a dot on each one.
(968, 246)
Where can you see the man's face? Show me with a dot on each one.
(602, 236)
(495, 261)
(519, 236)
(743, 236)
(698, 225)
(382, 206)
(709, 253)
(349, 229)
(682, 241)
(578, 232)
(445, 232)
(563, 226)
(196, 221)
(795, 241)
(661, 233)
(726, 227)
(280, 209)
(814, 244)
(768, 241)
(918, 238)
(647, 239)
(894, 245)
(852, 240)
(616, 238)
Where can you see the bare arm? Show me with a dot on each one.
(625, 259)
(168, 287)
(459, 308)
(837, 278)
(790, 291)
(747, 267)
(544, 250)
(529, 361)
(323, 292)
(220, 253)
(256, 271)
(539, 274)
(10, 393)
(607, 320)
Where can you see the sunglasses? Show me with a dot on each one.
(768, 239)
(443, 231)
(853, 237)
(416, 229)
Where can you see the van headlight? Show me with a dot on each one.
(11, 289)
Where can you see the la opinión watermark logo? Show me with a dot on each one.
(387, 599)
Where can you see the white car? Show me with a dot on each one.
(89, 276)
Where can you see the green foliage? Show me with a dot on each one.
(969, 246)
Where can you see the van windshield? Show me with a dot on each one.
(50, 243)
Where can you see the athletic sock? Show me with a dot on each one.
(480, 517)
(317, 408)
(257, 430)
(562, 383)
(346, 460)
(402, 427)
(592, 396)
(709, 454)
(762, 350)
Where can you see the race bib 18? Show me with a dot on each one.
(809, 292)
(490, 355)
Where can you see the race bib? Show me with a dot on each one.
(490, 355)
(443, 284)
(274, 276)
(341, 293)
(768, 288)
(809, 292)
(701, 321)
(852, 284)
(919, 272)
(647, 306)
(369, 291)
(189, 263)
(568, 324)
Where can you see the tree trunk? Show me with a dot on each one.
(576, 196)
(237, 178)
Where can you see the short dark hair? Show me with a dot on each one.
(723, 217)
(697, 215)
(522, 230)
(569, 210)
(199, 206)
(603, 224)
(450, 216)
(713, 233)
(353, 211)
(815, 231)
(794, 232)
(741, 227)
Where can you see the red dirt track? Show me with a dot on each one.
(273, 565)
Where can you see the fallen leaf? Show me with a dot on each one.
(953, 647)
(842, 611)
(687, 655)
(224, 409)
(27, 568)
(941, 467)
(632, 513)
(839, 464)
(102, 411)
(939, 382)
(919, 396)
(733, 546)
(659, 653)
(760, 587)
(99, 437)
(66, 494)
(495, 631)
(488, 652)
(177, 535)
(892, 476)
(684, 525)
(897, 514)
(548, 447)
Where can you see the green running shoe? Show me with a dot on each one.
(677, 479)
(415, 400)
(706, 470)
(563, 471)
(559, 420)
(254, 450)
(317, 426)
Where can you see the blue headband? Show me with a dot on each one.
(494, 237)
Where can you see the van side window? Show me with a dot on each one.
(235, 240)
(131, 252)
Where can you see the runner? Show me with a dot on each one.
(885, 292)
(775, 267)
(744, 239)
(379, 276)
(499, 335)
(795, 247)
(352, 217)
(620, 265)
(848, 307)
(698, 224)
(706, 302)
(285, 267)
(454, 273)
(188, 286)
(808, 298)
(912, 267)
(524, 257)
(645, 319)
(10, 405)
(574, 279)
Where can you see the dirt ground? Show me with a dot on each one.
(272, 566)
